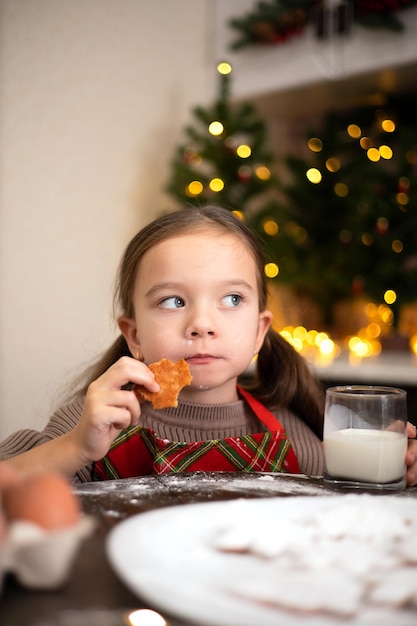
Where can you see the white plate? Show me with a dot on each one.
(168, 558)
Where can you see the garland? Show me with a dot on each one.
(276, 21)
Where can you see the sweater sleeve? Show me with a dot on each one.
(61, 422)
(307, 446)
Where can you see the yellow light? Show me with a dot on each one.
(145, 617)
(271, 270)
(315, 144)
(388, 126)
(373, 155)
(270, 227)
(385, 152)
(373, 330)
(402, 198)
(371, 309)
(320, 337)
(413, 344)
(390, 296)
(365, 143)
(341, 190)
(239, 215)
(327, 346)
(300, 333)
(360, 347)
(333, 164)
(243, 151)
(262, 172)
(311, 337)
(367, 239)
(354, 131)
(224, 68)
(385, 314)
(194, 188)
(314, 175)
(397, 246)
(216, 184)
(216, 128)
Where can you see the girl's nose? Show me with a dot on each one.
(200, 327)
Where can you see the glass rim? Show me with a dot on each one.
(356, 391)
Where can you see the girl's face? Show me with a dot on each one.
(196, 297)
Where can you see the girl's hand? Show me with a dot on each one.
(108, 408)
(411, 456)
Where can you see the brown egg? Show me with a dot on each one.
(44, 499)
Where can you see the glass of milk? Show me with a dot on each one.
(365, 438)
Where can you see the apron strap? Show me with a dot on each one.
(261, 412)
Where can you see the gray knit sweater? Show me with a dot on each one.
(188, 422)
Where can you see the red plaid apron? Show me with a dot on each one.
(138, 451)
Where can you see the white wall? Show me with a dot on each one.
(94, 95)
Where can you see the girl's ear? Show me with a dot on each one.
(264, 322)
(128, 329)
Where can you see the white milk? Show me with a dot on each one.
(365, 455)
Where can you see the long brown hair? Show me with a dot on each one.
(282, 378)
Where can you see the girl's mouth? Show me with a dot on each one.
(201, 359)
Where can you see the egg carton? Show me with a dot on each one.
(39, 558)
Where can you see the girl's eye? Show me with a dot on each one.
(172, 303)
(232, 300)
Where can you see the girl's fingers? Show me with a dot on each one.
(126, 370)
(411, 430)
(102, 405)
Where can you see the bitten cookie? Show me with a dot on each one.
(171, 377)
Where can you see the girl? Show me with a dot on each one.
(191, 285)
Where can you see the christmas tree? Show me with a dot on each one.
(225, 159)
(344, 226)
(348, 223)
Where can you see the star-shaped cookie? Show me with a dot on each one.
(172, 377)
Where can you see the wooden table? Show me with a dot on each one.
(94, 596)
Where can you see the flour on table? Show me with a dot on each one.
(343, 557)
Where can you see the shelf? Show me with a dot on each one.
(367, 60)
(392, 369)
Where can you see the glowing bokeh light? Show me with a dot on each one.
(365, 143)
(314, 175)
(354, 131)
(224, 68)
(271, 270)
(333, 164)
(390, 296)
(216, 128)
(385, 152)
(373, 155)
(367, 239)
(216, 184)
(262, 172)
(315, 144)
(402, 198)
(270, 227)
(194, 188)
(397, 246)
(145, 617)
(243, 151)
(388, 126)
